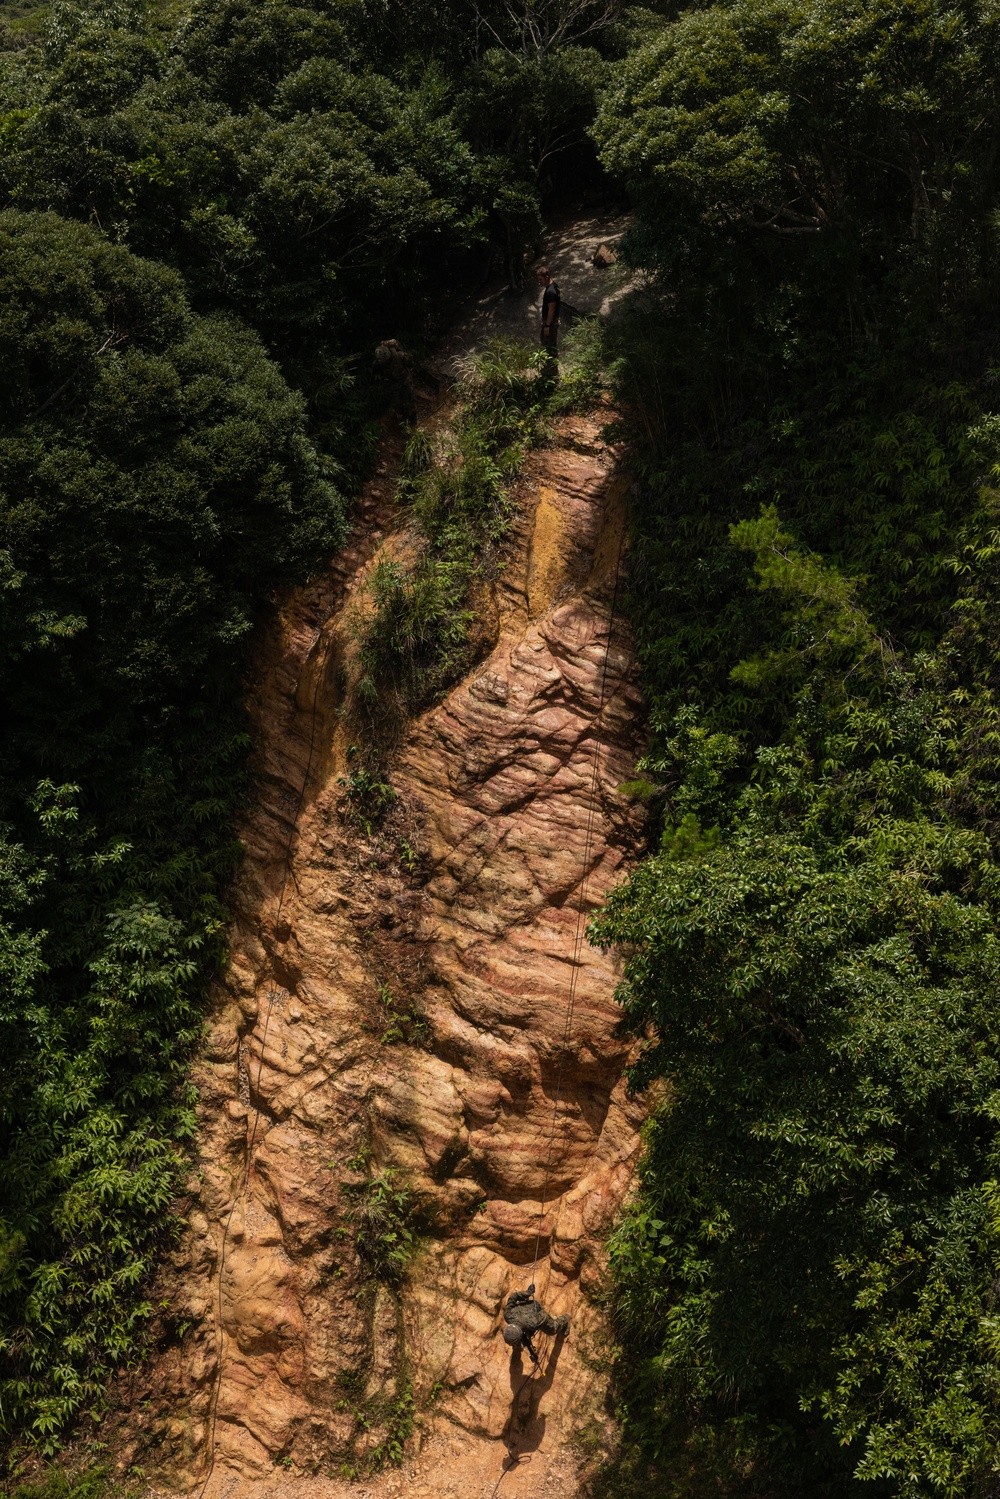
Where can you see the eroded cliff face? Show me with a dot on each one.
(396, 1002)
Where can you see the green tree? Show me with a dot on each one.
(155, 478)
(806, 1284)
(259, 150)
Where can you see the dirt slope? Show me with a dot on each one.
(396, 1000)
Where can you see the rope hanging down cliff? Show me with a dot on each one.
(578, 935)
(578, 938)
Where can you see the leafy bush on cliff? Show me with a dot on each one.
(416, 633)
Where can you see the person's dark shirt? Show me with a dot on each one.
(550, 295)
(523, 1309)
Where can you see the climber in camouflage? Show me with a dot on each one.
(523, 1316)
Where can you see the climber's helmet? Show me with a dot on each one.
(512, 1334)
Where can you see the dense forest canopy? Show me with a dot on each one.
(806, 1288)
(210, 216)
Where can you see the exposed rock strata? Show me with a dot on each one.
(405, 1009)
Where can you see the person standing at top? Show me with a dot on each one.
(551, 302)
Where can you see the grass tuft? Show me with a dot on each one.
(416, 627)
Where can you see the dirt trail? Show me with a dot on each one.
(406, 1012)
(588, 290)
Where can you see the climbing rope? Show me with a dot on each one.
(581, 909)
(271, 996)
(571, 1001)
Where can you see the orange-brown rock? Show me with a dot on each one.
(418, 1000)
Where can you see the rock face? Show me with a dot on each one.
(414, 1038)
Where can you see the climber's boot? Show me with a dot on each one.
(562, 1326)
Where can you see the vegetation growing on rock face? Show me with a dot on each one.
(415, 635)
